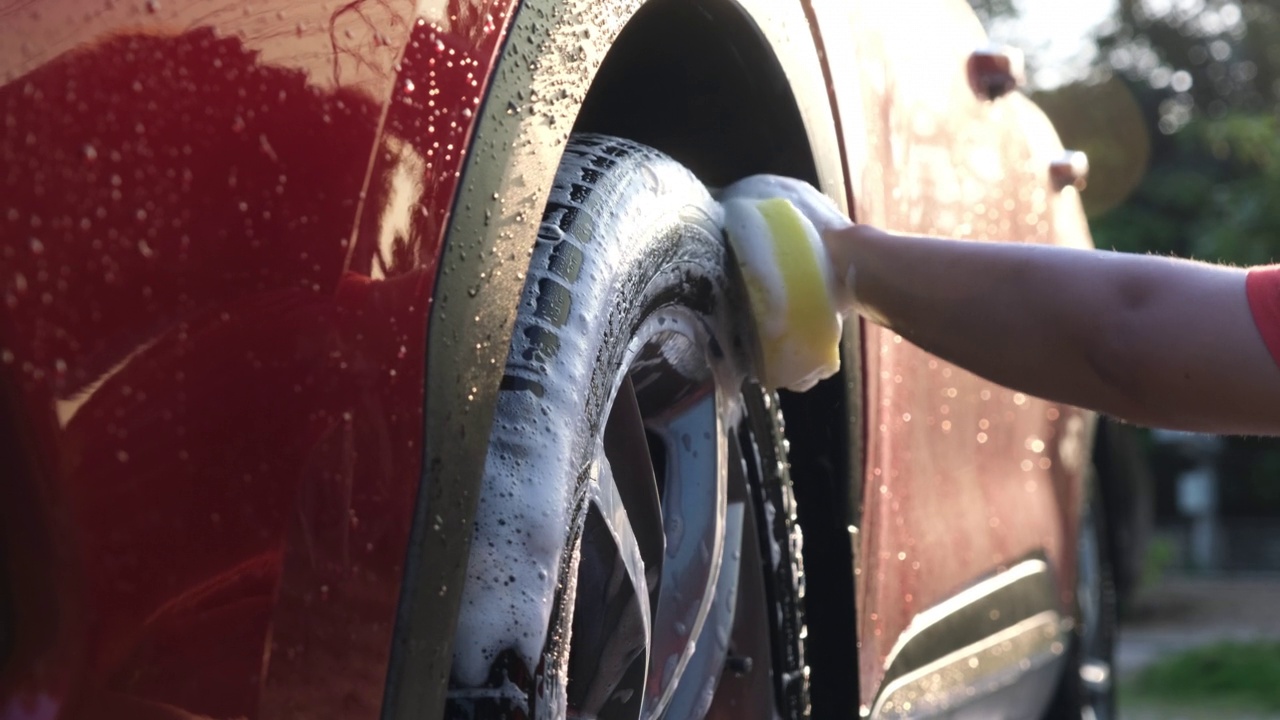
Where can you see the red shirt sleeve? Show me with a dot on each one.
(1263, 288)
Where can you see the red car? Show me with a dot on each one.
(382, 359)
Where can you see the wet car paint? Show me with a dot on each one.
(220, 239)
(962, 477)
(236, 367)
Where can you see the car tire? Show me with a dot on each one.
(635, 549)
(1087, 688)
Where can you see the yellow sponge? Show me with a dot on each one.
(790, 284)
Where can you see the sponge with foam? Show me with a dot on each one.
(774, 225)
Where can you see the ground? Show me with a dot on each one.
(1183, 613)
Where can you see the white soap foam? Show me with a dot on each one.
(522, 519)
(820, 210)
(754, 250)
(790, 365)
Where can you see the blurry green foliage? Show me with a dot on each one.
(1159, 557)
(1212, 194)
(1238, 675)
(1227, 48)
(1205, 75)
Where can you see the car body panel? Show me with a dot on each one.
(259, 210)
(224, 427)
(929, 155)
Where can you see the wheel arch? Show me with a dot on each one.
(553, 75)
(700, 82)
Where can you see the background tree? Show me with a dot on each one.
(989, 11)
(1203, 74)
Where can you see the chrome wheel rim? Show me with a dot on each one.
(665, 536)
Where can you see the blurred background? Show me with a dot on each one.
(1176, 103)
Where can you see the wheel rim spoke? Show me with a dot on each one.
(693, 506)
(627, 448)
(611, 631)
(693, 541)
(693, 695)
(696, 692)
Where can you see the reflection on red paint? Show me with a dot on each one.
(215, 277)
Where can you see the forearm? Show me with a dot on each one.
(1114, 332)
(998, 310)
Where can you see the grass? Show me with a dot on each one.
(1159, 558)
(1239, 675)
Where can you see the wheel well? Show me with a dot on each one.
(699, 81)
